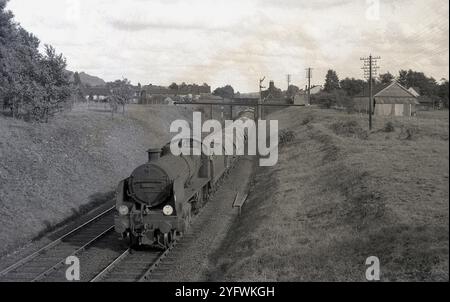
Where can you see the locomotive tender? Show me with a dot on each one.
(157, 201)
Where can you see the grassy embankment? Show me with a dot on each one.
(340, 194)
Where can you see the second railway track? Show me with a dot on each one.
(42, 263)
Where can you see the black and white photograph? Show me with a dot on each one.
(246, 143)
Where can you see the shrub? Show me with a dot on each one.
(308, 119)
(389, 127)
(286, 136)
(409, 133)
(349, 129)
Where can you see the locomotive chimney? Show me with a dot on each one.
(154, 154)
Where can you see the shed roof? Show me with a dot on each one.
(391, 93)
(394, 89)
(415, 91)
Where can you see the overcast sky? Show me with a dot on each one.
(237, 41)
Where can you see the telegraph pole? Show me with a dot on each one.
(260, 98)
(309, 76)
(370, 68)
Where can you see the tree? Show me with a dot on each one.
(352, 86)
(292, 91)
(331, 81)
(55, 82)
(173, 86)
(121, 92)
(386, 78)
(443, 92)
(183, 86)
(226, 92)
(427, 85)
(33, 85)
(76, 79)
(337, 98)
(402, 78)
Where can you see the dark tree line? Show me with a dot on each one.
(226, 92)
(190, 88)
(339, 92)
(426, 86)
(32, 85)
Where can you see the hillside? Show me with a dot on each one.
(49, 172)
(87, 79)
(339, 195)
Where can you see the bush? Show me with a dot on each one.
(286, 136)
(336, 98)
(349, 129)
(409, 133)
(389, 127)
(308, 119)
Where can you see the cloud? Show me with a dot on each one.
(237, 41)
(134, 25)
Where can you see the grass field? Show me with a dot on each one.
(340, 194)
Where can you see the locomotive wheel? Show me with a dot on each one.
(164, 240)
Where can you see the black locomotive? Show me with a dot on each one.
(157, 201)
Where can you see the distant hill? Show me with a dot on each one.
(88, 79)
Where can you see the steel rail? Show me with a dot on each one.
(158, 261)
(111, 266)
(62, 261)
(52, 244)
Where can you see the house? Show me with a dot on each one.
(169, 101)
(316, 89)
(97, 93)
(250, 98)
(415, 91)
(207, 97)
(389, 100)
(427, 103)
(301, 98)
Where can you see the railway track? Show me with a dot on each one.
(130, 266)
(149, 264)
(145, 265)
(50, 258)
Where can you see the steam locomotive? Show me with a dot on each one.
(156, 203)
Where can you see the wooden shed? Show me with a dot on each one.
(390, 100)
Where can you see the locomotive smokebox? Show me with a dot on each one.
(154, 154)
